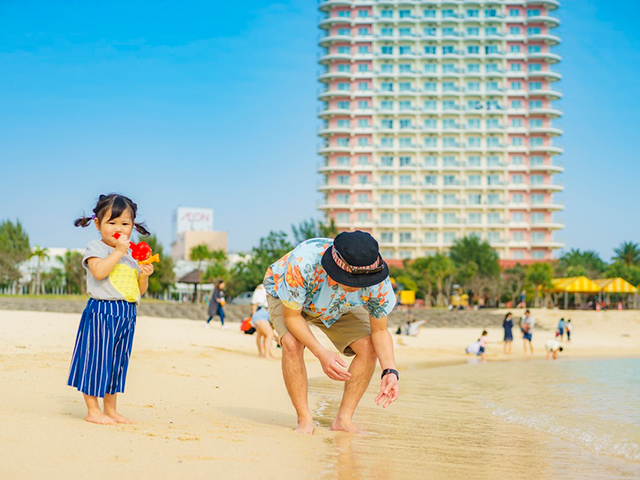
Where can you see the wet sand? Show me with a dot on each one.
(206, 406)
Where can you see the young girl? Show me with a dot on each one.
(217, 303)
(115, 283)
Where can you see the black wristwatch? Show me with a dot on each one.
(390, 370)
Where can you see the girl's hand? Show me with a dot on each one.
(146, 270)
(122, 244)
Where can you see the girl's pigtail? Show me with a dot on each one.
(141, 228)
(83, 221)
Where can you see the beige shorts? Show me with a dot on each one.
(350, 327)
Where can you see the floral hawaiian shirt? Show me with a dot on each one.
(300, 281)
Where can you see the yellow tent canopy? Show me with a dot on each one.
(575, 285)
(615, 285)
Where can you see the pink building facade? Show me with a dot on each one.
(438, 122)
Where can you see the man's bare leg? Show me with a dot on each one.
(361, 369)
(110, 409)
(294, 372)
(94, 414)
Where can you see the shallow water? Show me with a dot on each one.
(535, 419)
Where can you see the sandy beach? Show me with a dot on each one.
(206, 406)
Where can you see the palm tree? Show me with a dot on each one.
(199, 254)
(41, 255)
(439, 268)
(628, 253)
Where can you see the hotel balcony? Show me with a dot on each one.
(353, 21)
(351, 57)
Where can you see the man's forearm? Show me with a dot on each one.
(383, 345)
(299, 328)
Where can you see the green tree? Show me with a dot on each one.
(439, 269)
(538, 279)
(216, 266)
(41, 254)
(514, 281)
(74, 272)
(631, 273)
(313, 229)
(53, 279)
(200, 254)
(249, 272)
(163, 277)
(576, 263)
(627, 253)
(473, 249)
(14, 249)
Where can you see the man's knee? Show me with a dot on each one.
(363, 347)
(291, 345)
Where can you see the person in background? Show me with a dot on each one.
(552, 347)
(507, 324)
(522, 302)
(478, 347)
(260, 321)
(569, 328)
(216, 304)
(526, 326)
(560, 331)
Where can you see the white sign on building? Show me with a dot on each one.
(192, 219)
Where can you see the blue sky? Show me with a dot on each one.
(213, 104)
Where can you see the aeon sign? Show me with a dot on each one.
(200, 219)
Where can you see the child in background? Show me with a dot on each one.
(560, 330)
(115, 283)
(569, 328)
(478, 348)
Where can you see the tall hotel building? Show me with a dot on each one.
(438, 122)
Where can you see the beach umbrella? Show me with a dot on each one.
(195, 278)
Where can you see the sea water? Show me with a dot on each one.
(519, 419)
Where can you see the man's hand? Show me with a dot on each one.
(389, 390)
(333, 366)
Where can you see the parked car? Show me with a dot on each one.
(243, 299)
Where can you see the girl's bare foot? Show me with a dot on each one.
(100, 418)
(119, 418)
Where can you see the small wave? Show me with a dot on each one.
(597, 442)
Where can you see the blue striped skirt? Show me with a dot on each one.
(103, 346)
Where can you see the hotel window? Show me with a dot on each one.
(430, 199)
(430, 123)
(448, 14)
(431, 142)
(534, 49)
(430, 180)
(473, 123)
(537, 237)
(448, 50)
(363, 86)
(474, 142)
(535, 67)
(363, 123)
(514, 13)
(449, 218)
(386, 180)
(386, 13)
(363, 31)
(537, 254)
(363, 13)
(535, 86)
(515, 67)
(474, 161)
(430, 161)
(491, 49)
(429, 31)
(517, 217)
(363, 104)
(516, 160)
(516, 86)
(514, 48)
(537, 198)
(404, 32)
(449, 68)
(344, 32)
(405, 105)
(344, 105)
(475, 199)
(493, 161)
(406, 142)
(536, 161)
(363, 198)
(449, 142)
(431, 13)
(537, 218)
(493, 123)
(386, 161)
(449, 180)
(405, 218)
(344, 123)
(517, 198)
(386, 86)
(363, 160)
(405, 123)
(473, 86)
(491, 67)
(474, 180)
(533, 30)
(516, 104)
(430, 105)
(489, 13)
(535, 123)
(489, 31)
(406, 199)
(449, 105)
(516, 141)
(473, 68)
(405, 68)
(386, 68)
(344, 87)
(386, 123)
(473, 13)
(535, 104)
(344, 50)
(405, 50)
(386, 199)
(386, 32)
(344, 13)
(344, 161)
(516, 122)
(517, 179)
(344, 68)
(536, 142)
(449, 237)
(405, 237)
(344, 179)
(533, 13)
(363, 142)
(449, 32)
(514, 30)
(386, 217)
(493, 237)
(342, 142)
(473, 50)
(493, 218)
(430, 218)
(448, 87)
(431, 237)
(518, 236)
(473, 32)
(386, 105)
(493, 142)
(430, 68)
(343, 198)
(405, 13)
(450, 199)
(405, 86)
(475, 218)
(430, 86)
(537, 179)
(406, 161)
(493, 180)
(517, 254)
(387, 50)
(342, 218)
(449, 161)
(386, 142)
(386, 237)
